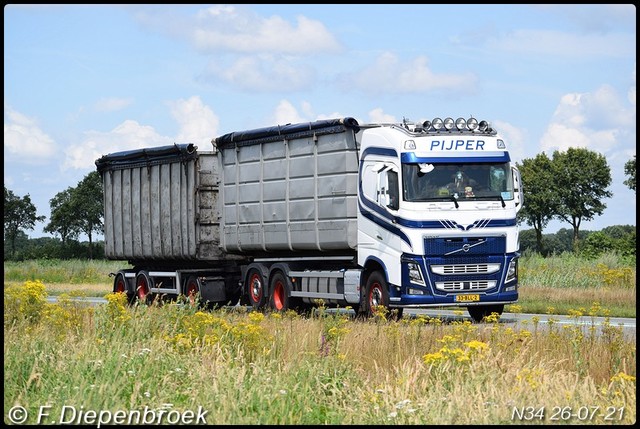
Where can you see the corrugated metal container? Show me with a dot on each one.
(290, 188)
(161, 204)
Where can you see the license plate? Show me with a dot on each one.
(467, 298)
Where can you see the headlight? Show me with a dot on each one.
(512, 271)
(415, 275)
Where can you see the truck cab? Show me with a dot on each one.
(437, 215)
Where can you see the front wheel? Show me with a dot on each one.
(376, 295)
(479, 312)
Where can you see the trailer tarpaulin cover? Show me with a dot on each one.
(146, 157)
(285, 132)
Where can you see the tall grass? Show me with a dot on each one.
(252, 368)
(74, 271)
(556, 284)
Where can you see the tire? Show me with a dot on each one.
(479, 312)
(376, 293)
(120, 286)
(143, 287)
(192, 291)
(279, 292)
(256, 290)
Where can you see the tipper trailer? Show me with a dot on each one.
(407, 215)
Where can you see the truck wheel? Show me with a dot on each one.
(120, 286)
(279, 292)
(256, 289)
(479, 312)
(375, 294)
(192, 290)
(143, 286)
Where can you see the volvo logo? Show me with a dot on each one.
(466, 247)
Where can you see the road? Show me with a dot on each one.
(515, 320)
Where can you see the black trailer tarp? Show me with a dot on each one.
(147, 156)
(286, 132)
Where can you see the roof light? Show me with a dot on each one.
(472, 123)
(460, 123)
(448, 123)
(437, 123)
(483, 126)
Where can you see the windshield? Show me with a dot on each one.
(431, 182)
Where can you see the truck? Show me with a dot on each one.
(376, 217)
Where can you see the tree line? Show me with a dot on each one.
(570, 186)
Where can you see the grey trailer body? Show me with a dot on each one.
(294, 191)
(162, 205)
(161, 213)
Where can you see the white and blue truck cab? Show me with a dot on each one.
(437, 214)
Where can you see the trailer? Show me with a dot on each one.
(368, 216)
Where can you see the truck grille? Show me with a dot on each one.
(465, 269)
(472, 285)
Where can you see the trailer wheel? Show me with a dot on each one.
(120, 286)
(479, 312)
(375, 294)
(279, 292)
(143, 286)
(192, 290)
(256, 289)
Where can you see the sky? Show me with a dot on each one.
(83, 81)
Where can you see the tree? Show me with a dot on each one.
(87, 205)
(19, 214)
(582, 178)
(64, 221)
(630, 170)
(540, 195)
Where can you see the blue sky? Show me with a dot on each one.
(82, 81)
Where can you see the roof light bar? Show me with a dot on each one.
(459, 125)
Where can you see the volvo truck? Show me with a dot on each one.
(376, 216)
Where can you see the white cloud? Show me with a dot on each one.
(286, 113)
(378, 115)
(599, 120)
(389, 75)
(198, 123)
(128, 135)
(24, 140)
(112, 104)
(264, 73)
(233, 29)
(515, 139)
(563, 44)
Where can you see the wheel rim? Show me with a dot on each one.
(255, 287)
(192, 291)
(142, 288)
(278, 295)
(375, 296)
(120, 285)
